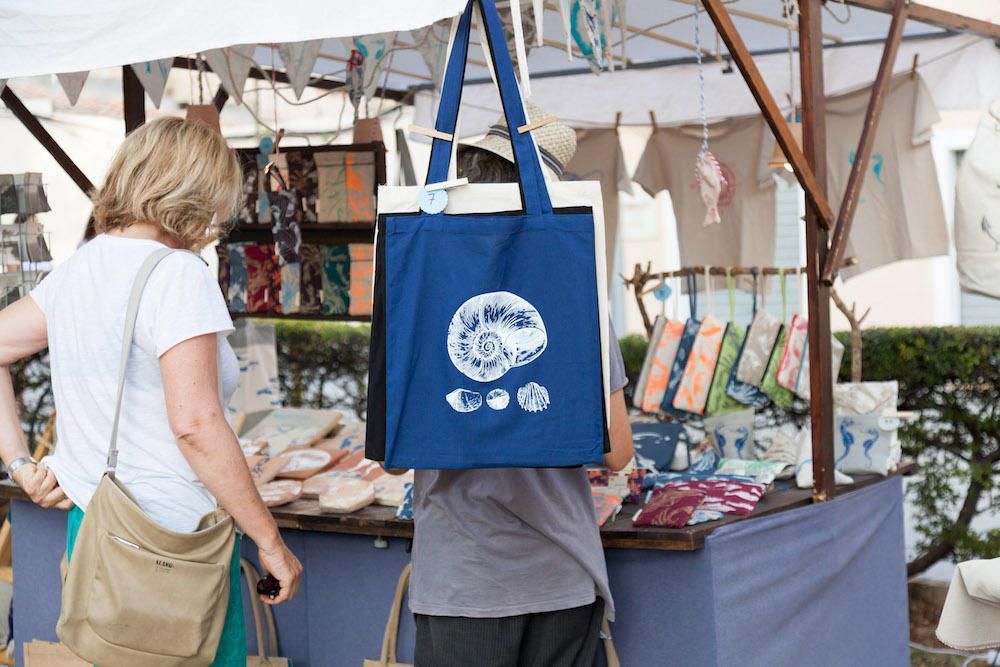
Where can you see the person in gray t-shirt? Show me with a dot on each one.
(508, 567)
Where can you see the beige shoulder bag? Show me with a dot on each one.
(263, 620)
(137, 593)
(388, 656)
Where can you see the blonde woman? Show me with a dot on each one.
(168, 184)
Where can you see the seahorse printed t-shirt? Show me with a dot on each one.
(746, 235)
(900, 214)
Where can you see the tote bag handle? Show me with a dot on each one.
(534, 193)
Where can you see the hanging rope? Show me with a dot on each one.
(701, 77)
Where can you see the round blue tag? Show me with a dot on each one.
(663, 292)
(433, 201)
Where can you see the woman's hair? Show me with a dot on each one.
(175, 174)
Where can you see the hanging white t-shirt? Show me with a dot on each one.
(84, 301)
(746, 235)
(900, 213)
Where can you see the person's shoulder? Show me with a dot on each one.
(182, 267)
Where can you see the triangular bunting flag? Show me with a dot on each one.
(372, 51)
(232, 66)
(299, 58)
(72, 84)
(431, 42)
(153, 77)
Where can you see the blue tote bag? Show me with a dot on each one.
(487, 326)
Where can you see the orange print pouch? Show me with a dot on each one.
(692, 395)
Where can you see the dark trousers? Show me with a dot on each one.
(564, 638)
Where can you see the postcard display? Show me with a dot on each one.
(302, 243)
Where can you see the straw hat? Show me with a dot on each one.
(970, 620)
(556, 141)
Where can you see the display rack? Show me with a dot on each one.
(315, 230)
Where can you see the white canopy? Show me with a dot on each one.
(70, 36)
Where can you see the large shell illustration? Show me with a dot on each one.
(494, 332)
(533, 397)
(463, 400)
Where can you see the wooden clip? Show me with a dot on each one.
(618, 120)
(916, 62)
(430, 132)
(444, 185)
(652, 120)
(541, 122)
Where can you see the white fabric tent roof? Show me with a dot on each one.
(71, 36)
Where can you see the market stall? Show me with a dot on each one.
(800, 555)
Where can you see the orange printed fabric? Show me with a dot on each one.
(362, 277)
(663, 360)
(693, 391)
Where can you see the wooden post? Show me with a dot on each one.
(820, 348)
(39, 132)
(815, 194)
(849, 204)
(133, 98)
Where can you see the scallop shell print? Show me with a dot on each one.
(533, 397)
(498, 399)
(463, 400)
(494, 332)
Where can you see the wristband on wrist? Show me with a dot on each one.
(16, 464)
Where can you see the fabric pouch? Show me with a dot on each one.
(684, 347)
(730, 497)
(782, 397)
(692, 395)
(863, 444)
(794, 352)
(802, 383)
(719, 402)
(662, 363)
(656, 444)
(669, 508)
(647, 363)
(761, 339)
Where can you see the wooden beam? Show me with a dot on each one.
(820, 349)
(39, 132)
(856, 179)
(772, 114)
(938, 17)
(133, 99)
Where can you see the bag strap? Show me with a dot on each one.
(692, 285)
(609, 645)
(389, 640)
(131, 314)
(783, 280)
(266, 646)
(756, 286)
(731, 288)
(708, 290)
(534, 192)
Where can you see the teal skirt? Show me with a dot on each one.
(233, 644)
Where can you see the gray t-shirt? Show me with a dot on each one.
(509, 541)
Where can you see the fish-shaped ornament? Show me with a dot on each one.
(711, 182)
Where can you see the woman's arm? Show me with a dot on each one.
(22, 334)
(620, 431)
(190, 384)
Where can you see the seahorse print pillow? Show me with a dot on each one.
(862, 444)
(732, 434)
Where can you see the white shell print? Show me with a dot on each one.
(497, 399)
(494, 332)
(463, 400)
(533, 397)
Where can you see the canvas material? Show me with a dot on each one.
(747, 394)
(977, 209)
(719, 402)
(125, 565)
(256, 350)
(639, 390)
(430, 266)
(782, 397)
(732, 434)
(684, 347)
(663, 361)
(656, 444)
(692, 393)
(970, 618)
(863, 444)
(791, 358)
(864, 398)
(760, 341)
(387, 657)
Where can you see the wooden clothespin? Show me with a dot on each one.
(618, 120)
(277, 139)
(916, 63)
(652, 120)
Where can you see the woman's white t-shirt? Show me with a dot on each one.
(84, 301)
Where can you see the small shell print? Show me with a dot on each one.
(533, 397)
(497, 399)
(463, 400)
(494, 332)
